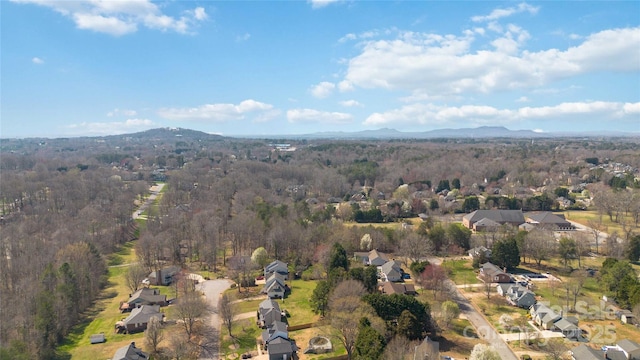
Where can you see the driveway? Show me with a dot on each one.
(484, 330)
(212, 290)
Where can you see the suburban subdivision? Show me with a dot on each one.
(176, 244)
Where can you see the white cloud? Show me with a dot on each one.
(351, 103)
(323, 89)
(443, 65)
(316, 116)
(345, 85)
(523, 99)
(243, 37)
(122, 112)
(111, 128)
(122, 17)
(316, 4)
(500, 13)
(37, 61)
(432, 114)
(255, 110)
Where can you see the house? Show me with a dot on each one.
(130, 352)
(630, 348)
(502, 288)
(543, 316)
(97, 338)
(275, 330)
(485, 225)
(164, 276)
(569, 330)
(275, 286)
(548, 220)
(492, 273)
(480, 252)
(268, 313)
(584, 352)
(397, 288)
(391, 271)
(626, 317)
(427, 350)
(277, 267)
(520, 297)
(139, 318)
(144, 296)
(281, 349)
(376, 258)
(501, 217)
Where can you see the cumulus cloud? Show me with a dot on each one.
(111, 128)
(317, 4)
(432, 114)
(316, 116)
(501, 13)
(122, 112)
(351, 103)
(323, 89)
(444, 64)
(118, 18)
(255, 110)
(36, 60)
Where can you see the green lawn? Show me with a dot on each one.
(102, 317)
(461, 271)
(245, 332)
(297, 302)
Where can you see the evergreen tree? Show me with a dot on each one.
(320, 297)
(505, 253)
(338, 258)
(633, 249)
(408, 326)
(369, 343)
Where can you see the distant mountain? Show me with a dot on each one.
(169, 134)
(483, 132)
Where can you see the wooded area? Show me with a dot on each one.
(67, 205)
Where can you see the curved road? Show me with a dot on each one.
(482, 327)
(212, 289)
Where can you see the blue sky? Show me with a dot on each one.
(92, 67)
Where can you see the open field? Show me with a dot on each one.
(461, 271)
(592, 216)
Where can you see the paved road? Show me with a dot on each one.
(155, 191)
(212, 290)
(483, 328)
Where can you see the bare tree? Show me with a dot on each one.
(153, 335)
(540, 244)
(434, 278)
(596, 228)
(345, 310)
(399, 348)
(226, 312)
(576, 284)
(191, 306)
(487, 284)
(134, 276)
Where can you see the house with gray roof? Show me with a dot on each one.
(278, 267)
(568, 329)
(548, 220)
(130, 352)
(268, 313)
(630, 348)
(584, 352)
(139, 318)
(144, 296)
(521, 297)
(164, 276)
(275, 286)
(501, 217)
(492, 273)
(281, 349)
(391, 271)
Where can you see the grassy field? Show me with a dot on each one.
(585, 217)
(461, 271)
(102, 317)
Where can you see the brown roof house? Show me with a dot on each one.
(397, 288)
(130, 352)
(492, 273)
(139, 318)
(501, 217)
